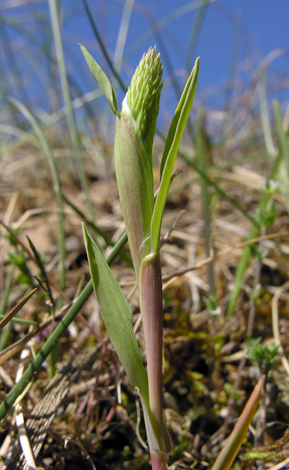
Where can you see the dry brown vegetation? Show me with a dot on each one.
(88, 415)
(90, 399)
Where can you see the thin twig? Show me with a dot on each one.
(173, 276)
(275, 324)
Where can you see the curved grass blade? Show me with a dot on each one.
(117, 315)
(60, 58)
(180, 118)
(97, 230)
(16, 309)
(219, 190)
(172, 144)
(54, 337)
(56, 182)
(265, 117)
(102, 80)
(102, 45)
(4, 335)
(227, 455)
(283, 173)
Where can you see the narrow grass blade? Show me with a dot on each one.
(98, 231)
(240, 272)
(162, 23)
(54, 338)
(195, 33)
(56, 182)
(16, 309)
(254, 232)
(205, 203)
(102, 80)
(280, 131)
(48, 122)
(227, 455)
(43, 271)
(283, 173)
(15, 76)
(17, 320)
(265, 117)
(172, 144)
(4, 335)
(53, 6)
(211, 182)
(102, 45)
(179, 120)
(117, 315)
(123, 33)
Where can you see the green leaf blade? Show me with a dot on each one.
(172, 144)
(117, 316)
(102, 80)
(228, 453)
(181, 114)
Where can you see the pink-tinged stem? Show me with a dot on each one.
(151, 301)
(158, 461)
(152, 316)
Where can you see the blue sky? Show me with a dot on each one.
(235, 36)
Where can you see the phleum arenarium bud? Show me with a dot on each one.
(143, 96)
(135, 129)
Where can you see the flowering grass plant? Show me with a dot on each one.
(143, 212)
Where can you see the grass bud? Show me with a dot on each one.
(135, 129)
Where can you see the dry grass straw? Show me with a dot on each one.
(199, 365)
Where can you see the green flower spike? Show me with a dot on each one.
(143, 96)
(135, 129)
